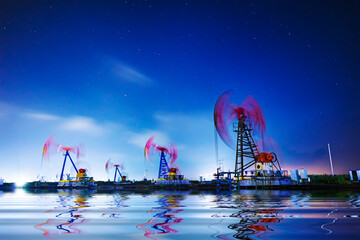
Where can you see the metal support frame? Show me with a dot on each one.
(276, 160)
(245, 147)
(63, 168)
(247, 153)
(219, 174)
(163, 167)
(117, 170)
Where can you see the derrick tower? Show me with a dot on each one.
(163, 167)
(247, 120)
(245, 147)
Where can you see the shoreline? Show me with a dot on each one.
(110, 187)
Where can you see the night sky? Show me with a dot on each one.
(110, 74)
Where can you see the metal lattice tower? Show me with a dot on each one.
(63, 168)
(245, 147)
(117, 171)
(164, 167)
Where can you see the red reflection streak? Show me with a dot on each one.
(167, 225)
(71, 226)
(53, 222)
(163, 218)
(254, 221)
(147, 232)
(46, 232)
(258, 228)
(72, 220)
(164, 225)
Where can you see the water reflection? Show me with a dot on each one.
(257, 212)
(68, 215)
(253, 221)
(299, 200)
(116, 205)
(164, 216)
(252, 214)
(354, 200)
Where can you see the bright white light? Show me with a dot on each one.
(20, 183)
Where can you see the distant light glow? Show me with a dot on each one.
(20, 182)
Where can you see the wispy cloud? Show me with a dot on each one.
(127, 73)
(42, 116)
(131, 75)
(82, 124)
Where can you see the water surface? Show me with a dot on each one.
(247, 214)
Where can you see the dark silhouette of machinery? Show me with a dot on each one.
(247, 148)
(246, 121)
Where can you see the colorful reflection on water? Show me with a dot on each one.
(164, 216)
(247, 214)
(65, 218)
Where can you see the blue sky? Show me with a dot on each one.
(111, 74)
